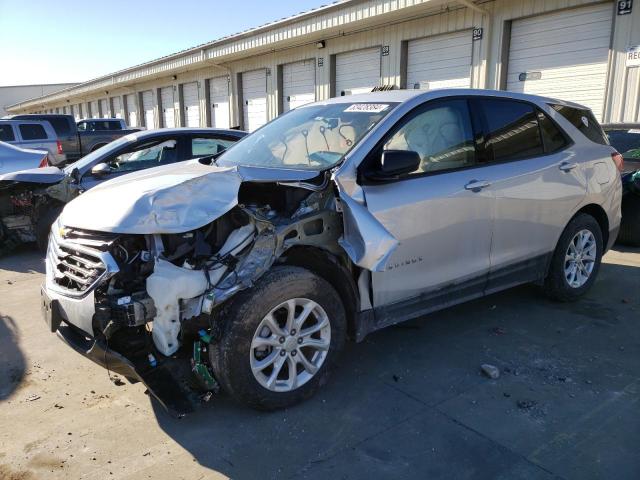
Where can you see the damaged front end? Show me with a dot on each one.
(149, 305)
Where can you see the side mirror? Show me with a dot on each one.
(394, 163)
(100, 170)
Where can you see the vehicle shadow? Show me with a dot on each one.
(385, 385)
(25, 258)
(12, 361)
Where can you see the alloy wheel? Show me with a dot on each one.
(290, 345)
(580, 258)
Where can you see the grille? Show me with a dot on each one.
(78, 268)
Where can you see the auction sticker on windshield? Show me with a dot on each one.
(367, 107)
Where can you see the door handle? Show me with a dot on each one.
(477, 185)
(567, 167)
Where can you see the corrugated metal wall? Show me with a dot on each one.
(359, 25)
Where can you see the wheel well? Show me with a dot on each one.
(99, 145)
(597, 212)
(328, 266)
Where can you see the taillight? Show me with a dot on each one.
(59, 147)
(44, 162)
(618, 160)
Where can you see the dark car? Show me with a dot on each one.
(74, 142)
(626, 139)
(30, 200)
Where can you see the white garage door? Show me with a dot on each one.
(147, 108)
(562, 55)
(132, 110)
(168, 108)
(357, 72)
(191, 104)
(117, 108)
(254, 96)
(443, 61)
(298, 84)
(104, 108)
(93, 107)
(219, 99)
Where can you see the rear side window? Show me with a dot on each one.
(512, 129)
(6, 133)
(201, 147)
(60, 125)
(584, 121)
(32, 132)
(552, 137)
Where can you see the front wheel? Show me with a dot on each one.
(576, 260)
(281, 339)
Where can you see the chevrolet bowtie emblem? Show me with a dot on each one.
(63, 232)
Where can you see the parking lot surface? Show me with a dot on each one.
(408, 402)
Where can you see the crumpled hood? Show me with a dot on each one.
(173, 198)
(45, 176)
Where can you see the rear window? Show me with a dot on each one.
(584, 121)
(627, 142)
(513, 132)
(32, 131)
(6, 133)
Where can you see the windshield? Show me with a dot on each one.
(313, 137)
(98, 153)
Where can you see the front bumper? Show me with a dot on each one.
(165, 382)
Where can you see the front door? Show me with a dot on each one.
(441, 214)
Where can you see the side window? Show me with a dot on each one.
(6, 133)
(513, 132)
(146, 156)
(442, 135)
(32, 131)
(552, 137)
(82, 126)
(584, 121)
(60, 125)
(201, 147)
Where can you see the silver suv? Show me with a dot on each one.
(250, 269)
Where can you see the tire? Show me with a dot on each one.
(47, 216)
(557, 284)
(233, 355)
(630, 225)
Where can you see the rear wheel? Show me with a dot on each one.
(281, 339)
(576, 260)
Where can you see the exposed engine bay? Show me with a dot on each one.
(165, 302)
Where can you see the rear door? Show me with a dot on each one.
(441, 214)
(219, 102)
(536, 180)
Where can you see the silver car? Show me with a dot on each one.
(34, 134)
(250, 270)
(13, 159)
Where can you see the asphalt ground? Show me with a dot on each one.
(408, 402)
